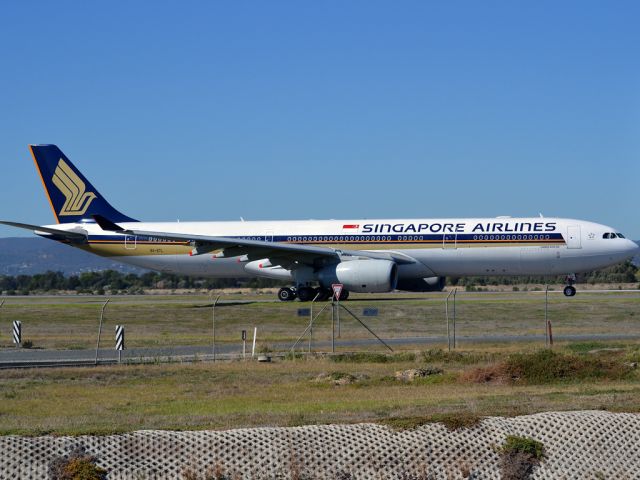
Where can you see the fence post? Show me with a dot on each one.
(100, 328)
(213, 327)
(446, 314)
(455, 291)
(546, 315)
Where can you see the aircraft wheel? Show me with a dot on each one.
(344, 294)
(286, 294)
(324, 294)
(306, 294)
(569, 291)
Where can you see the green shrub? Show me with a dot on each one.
(78, 465)
(547, 366)
(519, 456)
(526, 445)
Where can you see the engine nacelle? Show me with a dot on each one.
(263, 268)
(429, 284)
(364, 276)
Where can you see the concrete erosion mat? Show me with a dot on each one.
(583, 444)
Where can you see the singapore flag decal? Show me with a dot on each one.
(350, 227)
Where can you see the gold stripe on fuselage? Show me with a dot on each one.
(111, 248)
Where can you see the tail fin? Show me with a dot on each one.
(71, 195)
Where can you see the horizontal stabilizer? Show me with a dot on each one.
(53, 231)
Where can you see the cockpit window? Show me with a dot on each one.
(606, 235)
(620, 235)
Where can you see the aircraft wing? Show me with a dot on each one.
(284, 254)
(66, 234)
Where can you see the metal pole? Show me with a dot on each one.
(546, 316)
(338, 315)
(253, 346)
(311, 320)
(333, 326)
(213, 327)
(455, 290)
(446, 314)
(1, 303)
(365, 326)
(100, 328)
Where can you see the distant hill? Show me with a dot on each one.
(28, 256)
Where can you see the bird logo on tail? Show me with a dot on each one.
(77, 199)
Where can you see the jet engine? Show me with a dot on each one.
(429, 284)
(364, 276)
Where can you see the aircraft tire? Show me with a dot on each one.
(286, 294)
(344, 294)
(569, 291)
(306, 294)
(324, 294)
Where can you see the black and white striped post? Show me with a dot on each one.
(17, 332)
(119, 341)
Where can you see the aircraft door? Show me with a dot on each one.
(449, 240)
(130, 242)
(573, 236)
(268, 236)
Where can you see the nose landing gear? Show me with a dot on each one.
(570, 290)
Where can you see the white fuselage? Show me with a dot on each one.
(434, 247)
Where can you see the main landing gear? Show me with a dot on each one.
(286, 295)
(307, 294)
(570, 290)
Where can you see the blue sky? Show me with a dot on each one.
(296, 110)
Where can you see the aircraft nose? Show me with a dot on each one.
(634, 249)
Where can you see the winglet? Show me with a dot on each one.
(107, 224)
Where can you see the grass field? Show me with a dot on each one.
(72, 322)
(303, 391)
(480, 379)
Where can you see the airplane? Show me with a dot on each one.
(371, 256)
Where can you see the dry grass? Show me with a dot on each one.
(245, 394)
(504, 378)
(547, 366)
(452, 421)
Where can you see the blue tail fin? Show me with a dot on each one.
(71, 195)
